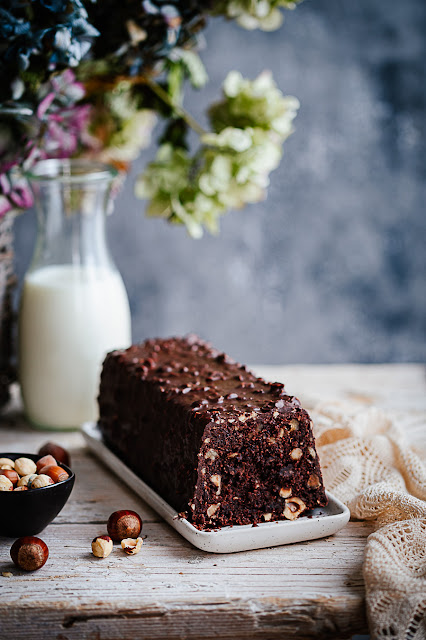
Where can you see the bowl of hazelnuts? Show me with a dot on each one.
(33, 489)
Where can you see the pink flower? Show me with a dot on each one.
(45, 104)
(14, 195)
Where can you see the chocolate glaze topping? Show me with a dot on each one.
(211, 438)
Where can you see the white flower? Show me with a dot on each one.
(168, 174)
(125, 145)
(231, 137)
(217, 176)
(254, 103)
(232, 166)
(256, 14)
(232, 84)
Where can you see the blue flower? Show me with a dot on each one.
(38, 37)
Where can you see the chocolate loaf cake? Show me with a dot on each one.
(207, 435)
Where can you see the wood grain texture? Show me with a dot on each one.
(172, 590)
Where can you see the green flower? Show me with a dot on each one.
(254, 103)
(232, 166)
(164, 180)
(255, 14)
(134, 135)
(230, 137)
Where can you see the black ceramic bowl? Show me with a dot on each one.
(26, 513)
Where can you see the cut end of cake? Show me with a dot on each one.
(210, 437)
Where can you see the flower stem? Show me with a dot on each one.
(164, 96)
(94, 85)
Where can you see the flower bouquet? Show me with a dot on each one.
(91, 78)
(75, 82)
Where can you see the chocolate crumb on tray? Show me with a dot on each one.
(209, 437)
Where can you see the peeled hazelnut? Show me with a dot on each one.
(124, 524)
(212, 509)
(131, 546)
(313, 481)
(8, 462)
(59, 453)
(56, 473)
(285, 492)
(11, 474)
(29, 553)
(40, 481)
(46, 461)
(25, 480)
(293, 508)
(5, 484)
(21, 488)
(25, 466)
(101, 546)
(211, 455)
(217, 481)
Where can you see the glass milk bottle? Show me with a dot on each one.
(74, 307)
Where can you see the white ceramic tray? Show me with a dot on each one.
(323, 522)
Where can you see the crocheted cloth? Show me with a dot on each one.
(368, 464)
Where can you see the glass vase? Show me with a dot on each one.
(7, 286)
(74, 307)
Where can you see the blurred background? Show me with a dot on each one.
(332, 266)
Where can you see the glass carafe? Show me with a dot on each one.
(74, 307)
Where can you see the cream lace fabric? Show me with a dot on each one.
(368, 464)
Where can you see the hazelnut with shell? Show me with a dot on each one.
(25, 466)
(29, 553)
(11, 474)
(124, 524)
(56, 473)
(45, 461)
(59, 453)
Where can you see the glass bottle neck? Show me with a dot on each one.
(71, 219)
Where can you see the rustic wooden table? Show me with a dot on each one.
(172, 590)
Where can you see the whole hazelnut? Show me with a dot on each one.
(124, 524)
(25, 480)
(131, 546)
(101, 546)
(5, 484)
(6, 467)
(40, 481)
(8, 462)
(45, 461)
(29, 553)
(56, 473)
(21, 488)
(59, 453)
(11, 474)
(25, 466)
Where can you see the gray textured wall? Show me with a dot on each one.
(332, 267)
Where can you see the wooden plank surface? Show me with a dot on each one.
(172, 590)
